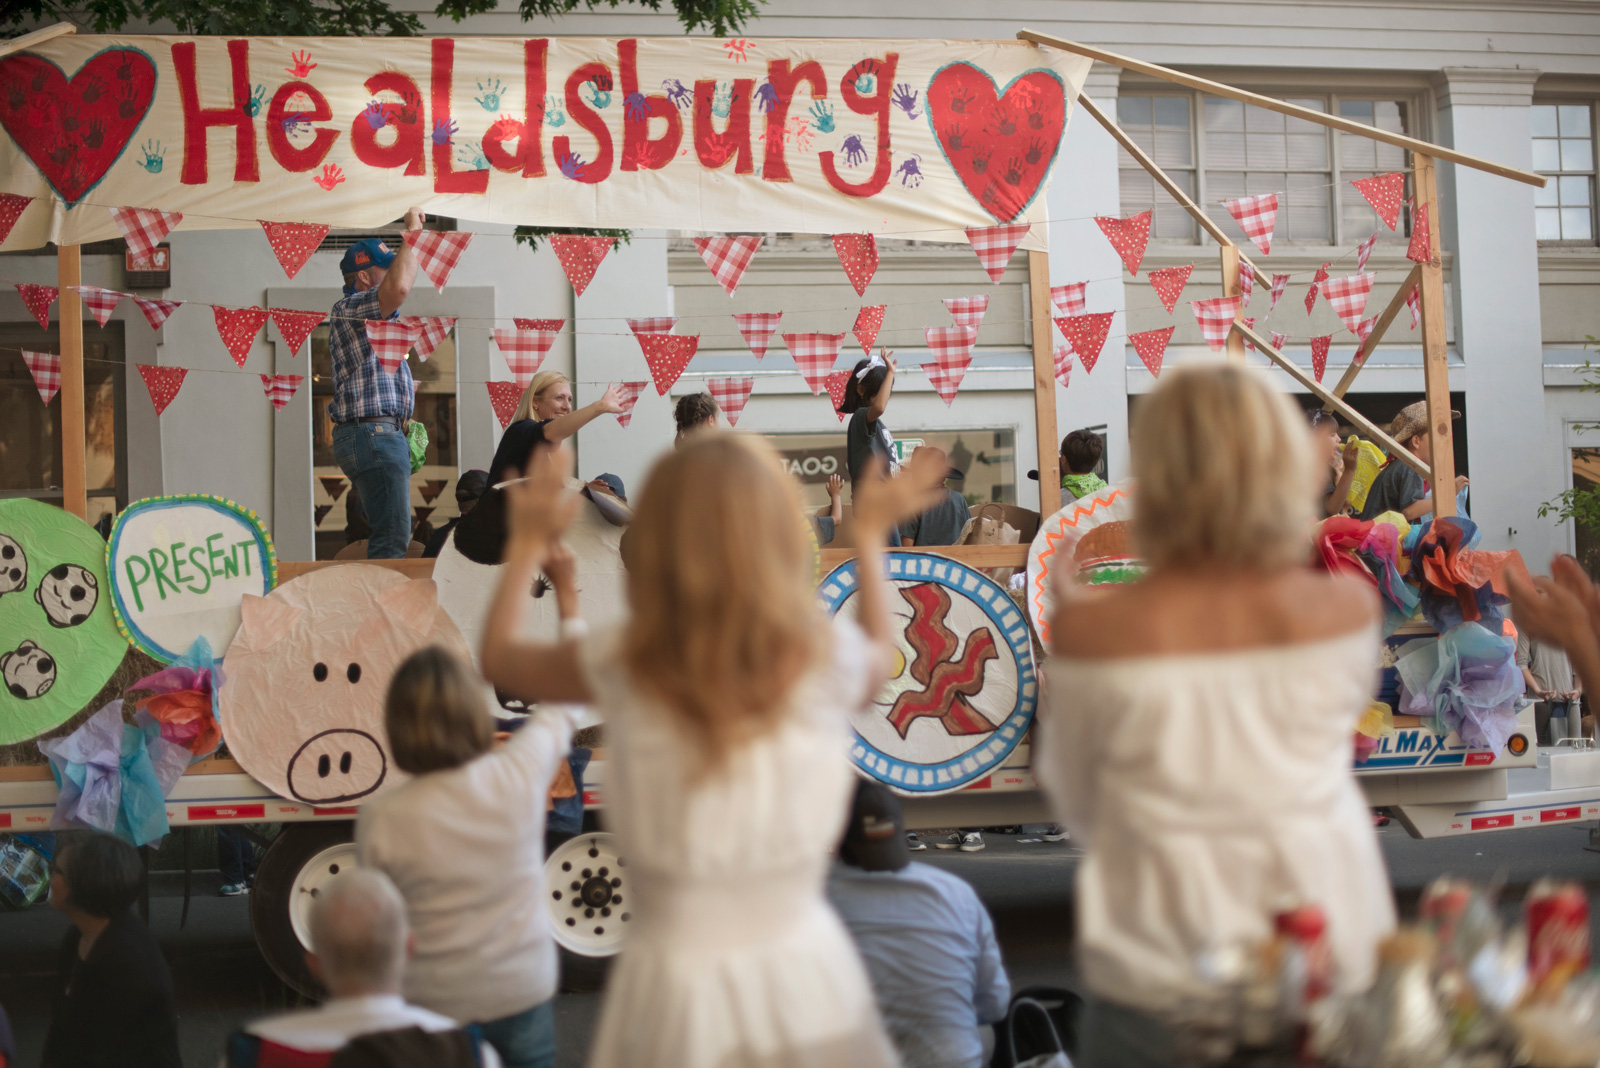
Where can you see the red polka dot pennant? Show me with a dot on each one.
(1319, 355)
(868, 322)
(835, 382)
(1421, 248)
(580, 257)
(163, 384)
(296, 326)
(858, 255)
(1383, 192)
(293, 243)
(11, 206)
(552, 325)
(504, 398)
(1128, 236)
(1086, 334)
(1311, 294)
(1151, 345)
(38, 300)
(1168, 284)
(238, 328)
(668, 355)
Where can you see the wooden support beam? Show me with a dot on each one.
(36, 38)
(1336, 122)
(979, 556)
(1435, 361)
(74, 447)
(1044, 384)
(1231, 288)
(1359, 360)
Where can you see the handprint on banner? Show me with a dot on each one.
(636, 107)
(91, 92)
(722, 101)
(855, 153)
(95, 135)
(570, 165)
(127, 104)
(905, 98)
(736, 49)
(866, 77)
(470, 156)
(70, 122)
(410, 109)
(1036, 116)
(960, 100)
(955, 138)
(295, 123)
(1035, 151)
(331, 176)
(490, 100)
(444, 130)
(680, 95)
(909, 173)
(302, 64)
(598, 95)
(980, 162)
(1013, 172)
(766, 96)
(153, 156)
(1000, 122)
(258, 93)
(822, 116)
(374, 114)
(553, 115)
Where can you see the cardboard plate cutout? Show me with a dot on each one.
(964, 688)
(58, 641)
(1091, 536)
(179, 567)
(302, 704)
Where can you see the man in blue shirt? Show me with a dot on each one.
(927, 940)
(371, 406)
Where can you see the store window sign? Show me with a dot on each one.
(904, 447)
(157, 259)
(814, 465)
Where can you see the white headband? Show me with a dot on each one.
(875, 361)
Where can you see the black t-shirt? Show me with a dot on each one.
(1396, 488)
(480, 536)
(862, 439)
(114, 1009)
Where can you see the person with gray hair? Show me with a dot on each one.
(360, 942)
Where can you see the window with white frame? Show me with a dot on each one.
(1237, 150)
(1563, 148)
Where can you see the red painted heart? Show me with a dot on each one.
(1001, 145)
(75, 129)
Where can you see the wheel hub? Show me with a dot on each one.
(587, 895)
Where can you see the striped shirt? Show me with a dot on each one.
(361, 388)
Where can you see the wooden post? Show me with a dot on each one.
(1044, 384)
(1435, 363)
(1231, 288)
(74, 472)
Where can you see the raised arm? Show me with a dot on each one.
(396, 285)
(563, 427)
(1563, 610)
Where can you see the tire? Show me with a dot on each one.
(300, 860)
(588, 925)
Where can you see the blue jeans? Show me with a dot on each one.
(236, 856)
(525, 1039)
(376, 457)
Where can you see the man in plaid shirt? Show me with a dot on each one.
(370, 406)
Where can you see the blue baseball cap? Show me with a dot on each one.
(368, 252)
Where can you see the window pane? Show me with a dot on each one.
(1308, 150)
(1307, 215)
(1544, 120)
(1575, 224)
(1267, 150)
(1390, 115)
(1575, 120)
(1260, 120)
(1173, 150)
(1357, 153)
(1574, 191)
(1548, 197)
(1576, 155)
(1225, 149)
(1225, 185)
(1141, 136)
(1171, 222)
(1137, 191)
(1224, 114)
(1546, 155)
(1172, 111)
(1359, 110)
(1549, 224)
(1133, 110)
(1305, 125)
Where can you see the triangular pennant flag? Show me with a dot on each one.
(668, 355)
(868, 322)
(237, 327)
(1215, 317)
(293, 243)
(660, 324)
(296, 326)
(814, 354)
(1256, 217)
(1250, 322)
(834, 382)
(1063, 364)
(757, 328)
(156, 312)
(421, 513)
(858, 255)
(390, 342)
(45, 367)
(1319, 355)
(163, 383)
(427, 331)
(731, 394)
(100, 302)
(1247, 286)
(1279, 281)
(438, 252)
(580, 257)
(945, 380)
(144, 228)
(334, 485)
(1086, 334)
(504, 398)
(1383, 193)
(1364, 330)
(951, 345)
(1364, 251)
(1278, 340)
(967, 311)
(728, 257)
(1414, 302)
(1348, 295)
(431, 488)
(1070, 299)
(38, 299)
(1168, 284)
(524, 351)
(1311, 294)
(552, 325)
(11, 205)
(1151, 345)
(630, 396)
(319, 513)
(995, 245)
(279, 388)
(1421, 248)
(1128, 236)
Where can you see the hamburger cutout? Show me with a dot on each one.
(1093, 537)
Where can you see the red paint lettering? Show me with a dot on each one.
(877, 104)
(528, 157)
(1489, 823)
(1473, 760)
(227, 812)
(639, 151)
(197, 120)
(289, 157)
(405, 118)
(446, 179)
(597, 170)
(716, 149)
(774, 168)
(1554, 815)
(347, 811)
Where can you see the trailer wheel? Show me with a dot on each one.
(587, 892)
(299, 863)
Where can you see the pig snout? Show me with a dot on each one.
(337, 766)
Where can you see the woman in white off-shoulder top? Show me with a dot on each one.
(1198, 739)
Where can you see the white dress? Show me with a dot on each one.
(1209, 792)
(734, 957)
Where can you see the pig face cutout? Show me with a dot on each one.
(13, 565)
(306, 675)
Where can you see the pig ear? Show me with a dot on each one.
(264, 620)
(413, 605)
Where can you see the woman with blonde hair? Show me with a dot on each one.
(1198, 741)
(726, 696)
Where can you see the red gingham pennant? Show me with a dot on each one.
(1311, 294)
(630, 396)
(45, 367)
(11, 206)
(38, 299)
(660, 324)
(390, 342)
(427, 331)
(1421, 248)
(1168, 284)
(815, 355)
(951, 345)
(293, 243)
(1215, 317)
(757, 328)
(1279, 281)
(552, 325)
(1063, 364)
(668, 355)
(868, 322)
(1250, 322)
(967, 311)
(1070, 299)
(858, 255)
(144, 228)
(1319, 355)
(1348, 295)
(100, 302)
(1278, 340)
(524, 351)
(1151, 345)
(156, 311)
(1383, 193)
(504, 398)
(834, 382)
(1364, 330)
(1086, 334)
(163, 383)
(1414, 302)
(1256, 217)
(237, 327)
(728, 257)
(580, 257)
(1129, 237)
(995, 246)
(945, 380)
(438, 252)
(296, 326)
(1247, 286)
(732, 394)
(1364, 251)
(279, 388)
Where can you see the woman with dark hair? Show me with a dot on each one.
(696, 411)
(866, 399)
(114, 1006)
